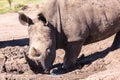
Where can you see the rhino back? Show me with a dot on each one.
(105, 20)
(101, 17)
(94, 20)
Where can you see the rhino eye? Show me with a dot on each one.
(48, 50)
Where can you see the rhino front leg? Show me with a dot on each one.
(71, 53)
(116, 42)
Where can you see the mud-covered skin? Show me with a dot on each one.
(69, 24)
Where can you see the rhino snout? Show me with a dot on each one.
(35, 61)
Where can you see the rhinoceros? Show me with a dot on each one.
(68, 25)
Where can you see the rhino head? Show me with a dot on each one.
(42, 43)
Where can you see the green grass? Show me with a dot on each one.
(16, 5)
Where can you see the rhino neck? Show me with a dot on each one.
(60, 35)
(51, 11)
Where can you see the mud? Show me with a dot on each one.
(95, 61)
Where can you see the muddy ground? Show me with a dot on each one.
(98, 62)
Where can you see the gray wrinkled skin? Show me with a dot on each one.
(69, 24)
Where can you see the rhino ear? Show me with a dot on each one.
(25, 20)
(42, 18)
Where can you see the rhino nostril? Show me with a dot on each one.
(35, 53)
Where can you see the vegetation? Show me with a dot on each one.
(14, 5)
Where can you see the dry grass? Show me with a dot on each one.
(16, 5)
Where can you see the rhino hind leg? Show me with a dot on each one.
(72, 52)
(116, 42)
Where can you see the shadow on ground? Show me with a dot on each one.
(83, 60)
(18, 42)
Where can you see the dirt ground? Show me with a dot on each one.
(98, 63)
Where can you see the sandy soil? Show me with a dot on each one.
(98, 63)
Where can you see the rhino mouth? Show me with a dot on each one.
(35, 65)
